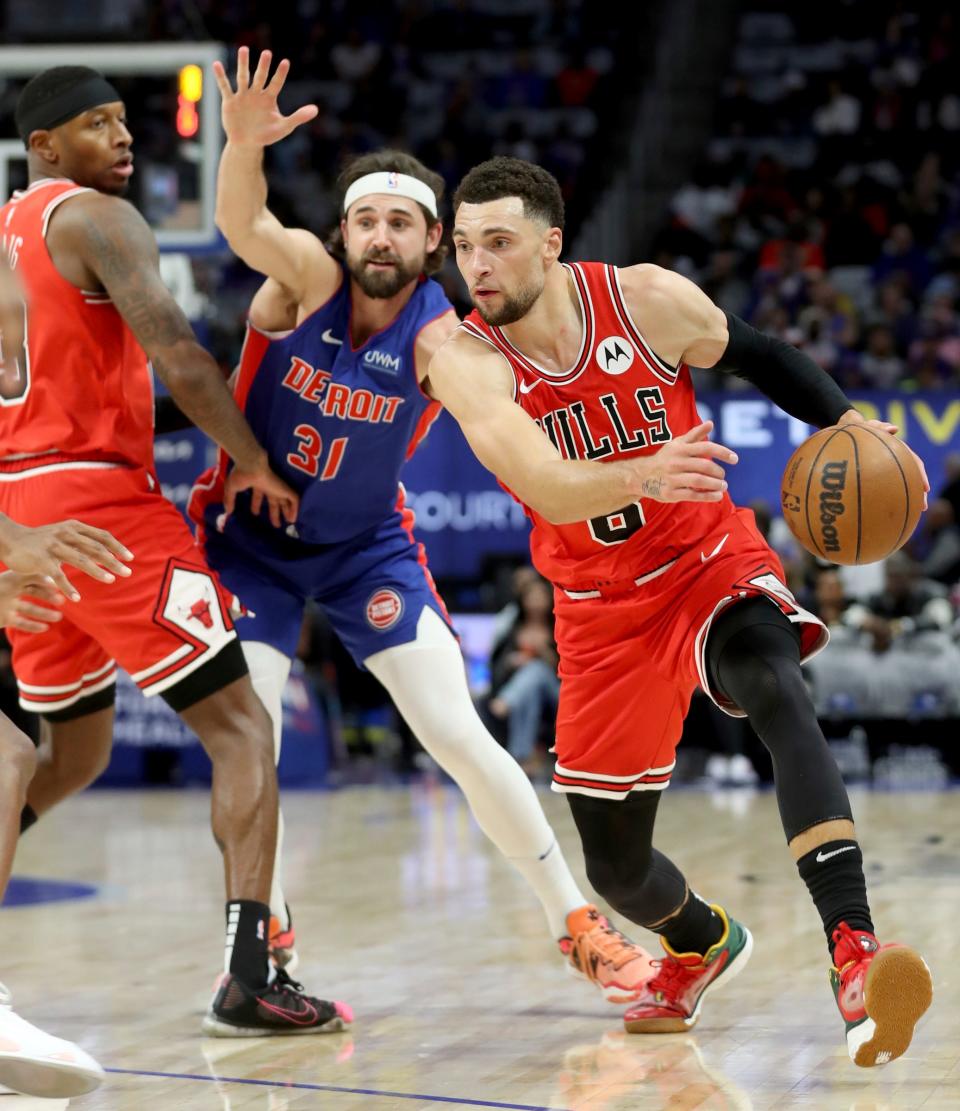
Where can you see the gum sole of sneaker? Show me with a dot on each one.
(214, 1027)
(682, 1025)
(897, 991)
(46, 1078)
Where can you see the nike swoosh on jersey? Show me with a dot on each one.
(526, 387)
(329, 337)
(704, 558)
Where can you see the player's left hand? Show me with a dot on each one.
(853, 416)
(20, 597)
(282, 501)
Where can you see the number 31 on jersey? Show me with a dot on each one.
(309, 447)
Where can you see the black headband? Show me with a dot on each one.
(88, 93)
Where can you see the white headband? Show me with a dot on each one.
(403, 185)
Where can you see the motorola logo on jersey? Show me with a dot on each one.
(384, 608)
(615, 355)
(380, 360)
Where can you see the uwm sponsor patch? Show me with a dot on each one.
(384, 608)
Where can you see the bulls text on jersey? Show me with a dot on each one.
(570, 432)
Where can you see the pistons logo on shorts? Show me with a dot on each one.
(384, 608)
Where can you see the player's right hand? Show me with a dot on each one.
(19, 610)
(684, 469)
(251, 115)
(40, 553)
(282, 501)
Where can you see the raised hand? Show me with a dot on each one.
(251, 116)
(853, 416)
(684, 469)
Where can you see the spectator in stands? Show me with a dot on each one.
(951, 486)
(829, 600)
(524, 683)
(840, 115)
(900, 254)
(936, 544)
(880, 365)
(907, 604)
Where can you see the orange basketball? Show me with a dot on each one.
(852, 494)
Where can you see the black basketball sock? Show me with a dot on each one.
(28, 817)
(693, 929)
(248, 929)
(833, 874)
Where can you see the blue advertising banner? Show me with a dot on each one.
(463, 516)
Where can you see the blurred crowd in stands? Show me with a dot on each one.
(826, 208)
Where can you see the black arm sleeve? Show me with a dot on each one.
(167, 416)
(787, 376)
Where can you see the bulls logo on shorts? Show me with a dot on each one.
(615, 355)
(384, 608)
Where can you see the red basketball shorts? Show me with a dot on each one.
(631, 659)
(168, 618)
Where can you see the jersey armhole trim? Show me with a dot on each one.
(474, 331)
(426, 324)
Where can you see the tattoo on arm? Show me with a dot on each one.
(651, 486)
(123, 254)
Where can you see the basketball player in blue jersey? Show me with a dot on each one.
(332, 380)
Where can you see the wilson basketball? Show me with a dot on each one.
(852, 494)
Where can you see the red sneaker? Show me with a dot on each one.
(596, 951)
(671, 1002)
(881, 991)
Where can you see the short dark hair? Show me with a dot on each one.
(513, 177)
(390, 161)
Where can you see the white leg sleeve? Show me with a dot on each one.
(427, 681)
(269, 669)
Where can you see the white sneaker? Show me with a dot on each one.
(35, 1063)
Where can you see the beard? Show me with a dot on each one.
(383, 284)
(515, 306)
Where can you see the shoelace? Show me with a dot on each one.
(285, 984)
(612, 946)
(845, 938)
(669, 974)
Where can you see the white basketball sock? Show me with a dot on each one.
(427, 681)
(269, 669)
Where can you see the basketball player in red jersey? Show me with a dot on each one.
(571, 383)
(76, 437)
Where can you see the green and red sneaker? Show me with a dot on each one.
(881, 991)
(671, 1001)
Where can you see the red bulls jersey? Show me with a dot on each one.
(80, 386)
(618, 400)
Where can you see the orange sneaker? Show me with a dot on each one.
(283, 943)
(881, 991)
(596, 951)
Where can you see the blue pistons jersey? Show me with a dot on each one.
(338, 423)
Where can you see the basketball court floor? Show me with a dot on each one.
(405, 911)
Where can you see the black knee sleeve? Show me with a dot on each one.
(753, 657)
(622, 865)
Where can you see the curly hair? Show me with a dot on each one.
(386, 161)
(513, 177)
